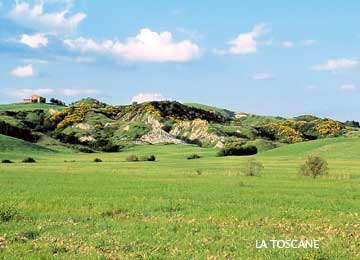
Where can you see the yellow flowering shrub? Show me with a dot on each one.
(285, 133)
(72, 115)
(328, 127)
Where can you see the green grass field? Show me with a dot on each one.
(28, 107)
(174, 208)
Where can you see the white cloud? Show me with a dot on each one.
(23, 72)
(35, 17)
(245, 43)
(145, 97)
(336, 64)
(34, 41)
(262, 76)
(26, 92)
(348, 87)
(309, 42)
(287, 44)
(147, 46)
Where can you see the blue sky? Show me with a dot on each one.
(266, 57)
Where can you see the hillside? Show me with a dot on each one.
(330, 148)
(28, 107)
(18, 148)
(224, 112)
(101, 127)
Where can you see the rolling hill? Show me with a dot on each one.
(331, 148)
(100, 127)
(16, 148)
(28, 107)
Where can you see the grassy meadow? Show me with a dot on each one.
(70, 207)
(28, 107)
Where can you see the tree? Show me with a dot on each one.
(353, 123)
(58, 102)
(314, 166)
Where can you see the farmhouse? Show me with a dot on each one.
(35, 99)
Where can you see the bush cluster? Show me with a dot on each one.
(301, 128)
(58, 102)
(7, 212)
(29, 160)
(6, 161)
(135, 158)
(253, 167)
(104, 146)
(238, 151)
(193, 156)
(314, 166)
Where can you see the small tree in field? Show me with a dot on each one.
(253, 167)
(314, 166)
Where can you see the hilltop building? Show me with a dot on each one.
(35, 99)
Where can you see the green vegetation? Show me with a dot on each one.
(91, 125)
(314, 166)
(16, 148)
(253, 167)
(166, 204)
(193, 156)
(142, 158)
(28, 160)
(224, 112)
(7, 212)
(29, 107)
(237, 151)
(132, 158)
(6, 161)
(67, 207)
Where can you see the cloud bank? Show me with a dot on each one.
(336, 65)
(35, 18)
(145, 97)
(34, 41)
(147, 46)
(23, 72)
(245, 43)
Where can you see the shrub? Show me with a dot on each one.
(97, 160)
(55, 101)
(7, 212)
(150, 158)
(27, 235)
(168, 126)
(143, 158)
(132, 158)
(198, 172)
(29, 160)
(193, 156)
(6, 161)
(253, 167)
(82, 149)
(314, 166)
(238, 151)
(104, 146)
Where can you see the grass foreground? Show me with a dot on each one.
(69, 207)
